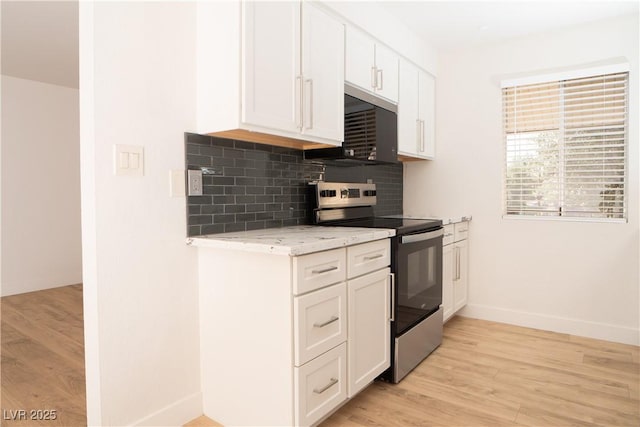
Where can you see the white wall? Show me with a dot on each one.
(41, 244)
(574, 277)
(137, 87)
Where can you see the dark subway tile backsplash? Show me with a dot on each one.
(258, 186)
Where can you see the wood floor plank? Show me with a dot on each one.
(42, 348)
(539, 378)
(484, 374)
(202, 421)
(421, 383)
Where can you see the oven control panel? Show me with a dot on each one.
(344, 194)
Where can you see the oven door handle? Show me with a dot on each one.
(393, 297)
(422, 236)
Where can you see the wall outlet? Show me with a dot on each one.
(194, 179)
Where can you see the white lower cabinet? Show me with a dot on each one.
(368, 343)
(320, 322)
(460, 282)
(455, 268)
(320, 385)
(447, 281)
(286, 340)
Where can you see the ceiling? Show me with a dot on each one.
(40, 41)
(451, 25)
(40, 38)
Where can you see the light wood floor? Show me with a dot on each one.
(483, 374)
(42, 349)
(492, 374)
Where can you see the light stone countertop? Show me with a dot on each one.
(292, 241)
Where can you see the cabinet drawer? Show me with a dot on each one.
(319, 269)
(320, 322)
(320, 385)
(368, 257)
(461, 230)
(448, 234)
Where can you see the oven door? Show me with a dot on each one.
(418, 277)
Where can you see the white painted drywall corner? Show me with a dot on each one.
(137, 87)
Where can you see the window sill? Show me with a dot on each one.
(564, 219)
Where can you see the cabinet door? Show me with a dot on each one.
(319, 322)
(460, 285)
(320, 386)
(368, 331)
(387, 70)
(323, 74)
(448, 263)
(271, 64)
(408, 124)
(359, 59)
(426, 111)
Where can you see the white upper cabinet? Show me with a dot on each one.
(271, 65)
(270, 69)
(322, 74)
(360, 60)
(416, 112)
(408, 118)
(370, 65)
(386, 73)
(427, 114)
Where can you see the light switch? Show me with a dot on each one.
(134, 160)
(128, 160)
(123, 158)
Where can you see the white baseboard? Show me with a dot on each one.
(9, 289)
(175, 415)
(583, 328)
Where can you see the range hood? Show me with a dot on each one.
(370, 132)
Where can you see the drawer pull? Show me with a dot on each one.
(333, 382)
(369, 258)
(448, 235)
(324, 270)
(328, 322)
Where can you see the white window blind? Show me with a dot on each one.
(565, 147)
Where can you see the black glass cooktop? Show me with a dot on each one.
(401, 225)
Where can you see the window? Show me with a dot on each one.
(565, 147)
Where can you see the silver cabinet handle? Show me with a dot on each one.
(369, 258)
(393, 297)
(325, 323)
(422, 136)
(321, 390)
(299, 118)
(310, 81)
(379, 83)
(374, 77)
(418, 138)
(324, 270)
(448, 235)
(457, 263)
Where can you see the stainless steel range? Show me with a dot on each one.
(416, 261)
